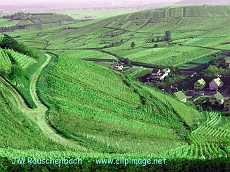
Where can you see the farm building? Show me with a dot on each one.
(200, 84)
(116, 67)
(181, 96)
(215, 84)
(227, 104)
(158, 75)
(217, 99)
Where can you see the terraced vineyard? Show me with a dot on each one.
(23, 60)
(207, 141)
(208, 133)
(112, 106)
(5, 63)
(225, 123)
(198, 151)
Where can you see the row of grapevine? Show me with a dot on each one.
(225, 123)
(23, 60)
(214, 119)
(207, 132)
(5, 63)
(197, 151)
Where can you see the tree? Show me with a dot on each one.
(212, 71)
(155, 46)
(133, 44)
(9, 42)
(168, 36)
(127, 62)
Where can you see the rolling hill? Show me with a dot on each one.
(33, 21)
(196, 32)
(106, 113)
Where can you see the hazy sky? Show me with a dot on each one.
(76, 1)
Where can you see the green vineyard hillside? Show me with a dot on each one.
(21, 59)
(62, 95)
(5, 63)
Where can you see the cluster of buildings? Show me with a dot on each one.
(206, 91)
(158, 75)
(203, 90)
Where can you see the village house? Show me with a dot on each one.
(158, 75)
(227, 104)
(217, 99)
(215, 84)
(200, 84)
(181, 96)
(116, 67)
(227, 61)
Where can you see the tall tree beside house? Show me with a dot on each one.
(133, 45)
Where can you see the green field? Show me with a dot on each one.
(209, 29)
(61, 105)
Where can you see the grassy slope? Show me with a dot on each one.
(96, 108)
(24, 134)
(23, 81)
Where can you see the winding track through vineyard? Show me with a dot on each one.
(38, 115)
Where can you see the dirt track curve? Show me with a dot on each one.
(38, 115)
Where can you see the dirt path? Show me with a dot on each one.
(38, 115)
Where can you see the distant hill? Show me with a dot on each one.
(35, 20)
(183, 2)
